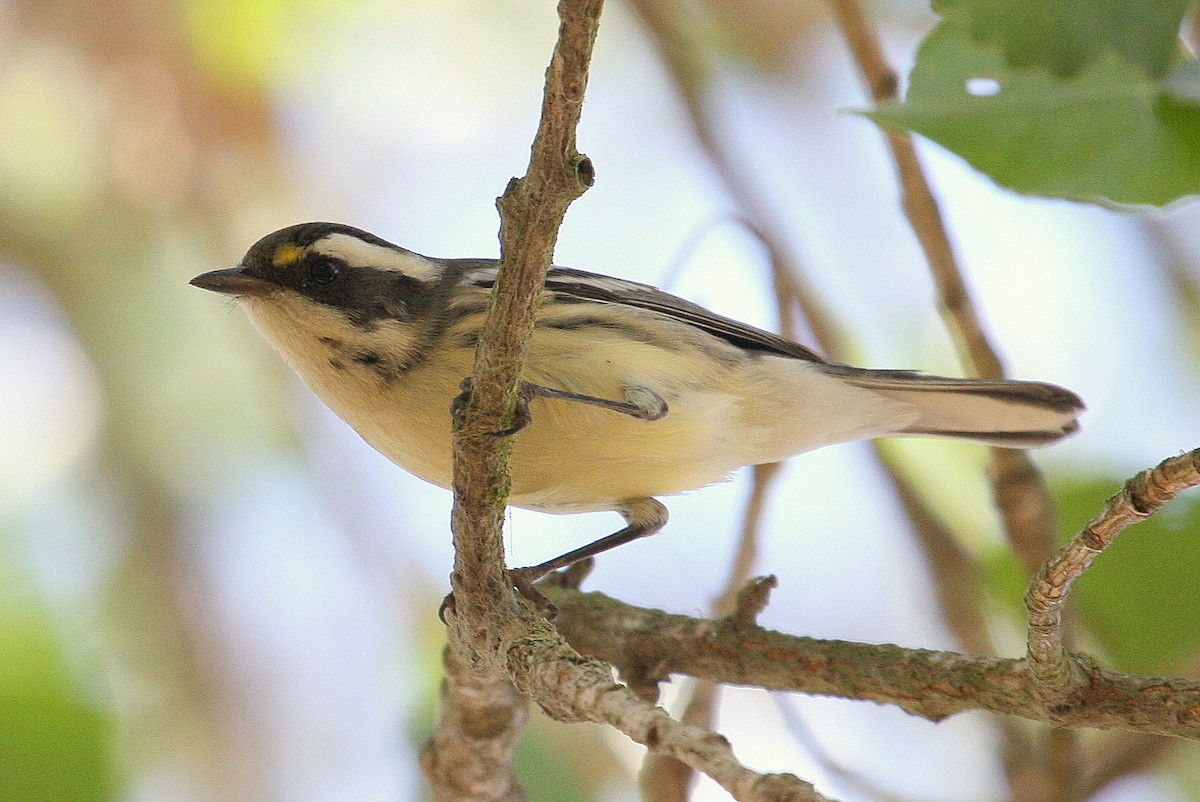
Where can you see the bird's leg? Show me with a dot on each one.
(640, 402)
(643, 517)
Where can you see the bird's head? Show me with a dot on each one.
(316, 288)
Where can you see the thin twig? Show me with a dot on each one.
(762, 479)
(1058, 677)
(665, 20)
(919, 204)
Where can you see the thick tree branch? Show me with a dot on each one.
(1050, 684)
(930, 684)
(481, 715)
(480, 719)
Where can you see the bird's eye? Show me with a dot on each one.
(324, 271)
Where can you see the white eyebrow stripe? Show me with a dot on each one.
(357, 253)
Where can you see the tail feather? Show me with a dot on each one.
(1011, 414)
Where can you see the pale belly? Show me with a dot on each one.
(571, 458)
(723, 413)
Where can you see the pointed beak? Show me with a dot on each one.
(232, 281)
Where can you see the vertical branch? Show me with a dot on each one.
(481, 712)
(531, 210)
(491, 639)
(480, 718)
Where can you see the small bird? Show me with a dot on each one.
(630, 393)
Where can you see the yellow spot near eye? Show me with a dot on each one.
(286, 255)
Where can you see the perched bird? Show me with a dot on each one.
(632, 392)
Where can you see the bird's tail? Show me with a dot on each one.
(1011, 414)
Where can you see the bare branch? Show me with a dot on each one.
(925, 683)
(1059, 677)
(573, 688)
(479, 722)
(531, 211)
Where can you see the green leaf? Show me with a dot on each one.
(1066, 35)
(1110, 132)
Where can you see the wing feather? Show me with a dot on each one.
(569, 285)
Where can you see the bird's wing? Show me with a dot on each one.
(577, 285)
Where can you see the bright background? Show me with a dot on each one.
(210, 589)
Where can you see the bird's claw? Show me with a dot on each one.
(521, 415)
(521, 579)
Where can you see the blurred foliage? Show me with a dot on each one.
(247, 45)
(56, 744)
(242, 44)
(551, 764)
(1081, 99)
